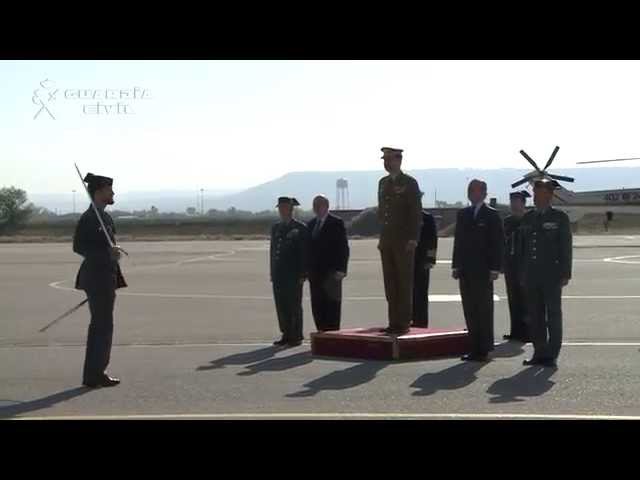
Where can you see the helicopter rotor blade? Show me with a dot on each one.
(520, 182)
(561, 178)
(530, 160)
(612, 160)
(553, 155)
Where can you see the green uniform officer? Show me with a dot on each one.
(289, 269)
(547, 261)
(400, 216)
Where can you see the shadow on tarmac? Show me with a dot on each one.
(41, 403)
(349, 377)
(531, 382)
(459, 375)
(243, 358)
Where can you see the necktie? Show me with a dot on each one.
(316, 229)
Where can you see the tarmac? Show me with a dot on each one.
(194, 329)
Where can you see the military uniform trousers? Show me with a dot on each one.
(544, 301)
(476, 290)
(288, 299)
(326, 299)
(517, 305)
(100, 334)
(421, 297)
(397, 268)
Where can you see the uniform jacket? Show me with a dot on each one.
(98, 269)
(513, 245)
(289, 251)
(478, 243)
(548, 246)
(399, 209)
(329, 248)
(427, 249)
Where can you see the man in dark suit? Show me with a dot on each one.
(425, 259)
(99, 276)
(476, 264)
(328, 259)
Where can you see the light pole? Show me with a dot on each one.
(202, 202)
(74, 201)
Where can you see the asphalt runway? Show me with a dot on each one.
(193, 334)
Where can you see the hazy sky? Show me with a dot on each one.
(234, 124)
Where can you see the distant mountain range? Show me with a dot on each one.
(448, 184)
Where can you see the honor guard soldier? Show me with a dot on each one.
(512, 267)
(99, 276)
(329, 255)
(289, 269)
(400, 216)
(547, 263)
(476, 263)
(425, 259)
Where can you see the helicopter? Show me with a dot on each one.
(578, 204)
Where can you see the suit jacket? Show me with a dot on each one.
(478, 243)
(548, 246)
(427, 249)
(329, 248)
(399, 209)
(289, 252)
(98, 270)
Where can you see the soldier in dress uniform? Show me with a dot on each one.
(476, 263)
(99, 276)
(425, 259)
(547, 263)
(289, 269)
(400, 215)
(513, 250)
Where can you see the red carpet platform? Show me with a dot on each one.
(374, 344)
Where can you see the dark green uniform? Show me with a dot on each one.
(512, 266)
(289, 266)
(400, 216)
(99, 276)
(547, 260)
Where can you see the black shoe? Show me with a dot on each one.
(398, 332)
(105, 381)
(294, 343)
(472, 357)
(549, 363)
(280, 342)
(533, 361)
(507, 337)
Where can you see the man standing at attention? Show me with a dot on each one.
(513, 250)
(289, 269)
(328, 265)
(547, 262)
(400, 216)
(476, 264)
(425, 259)
(99, 276)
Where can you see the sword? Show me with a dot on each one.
(66, 314)
(95, 209)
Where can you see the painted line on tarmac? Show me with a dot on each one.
(339, 416)
(436, 298)
(624, 260)
(269, 343)
(432, 298)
